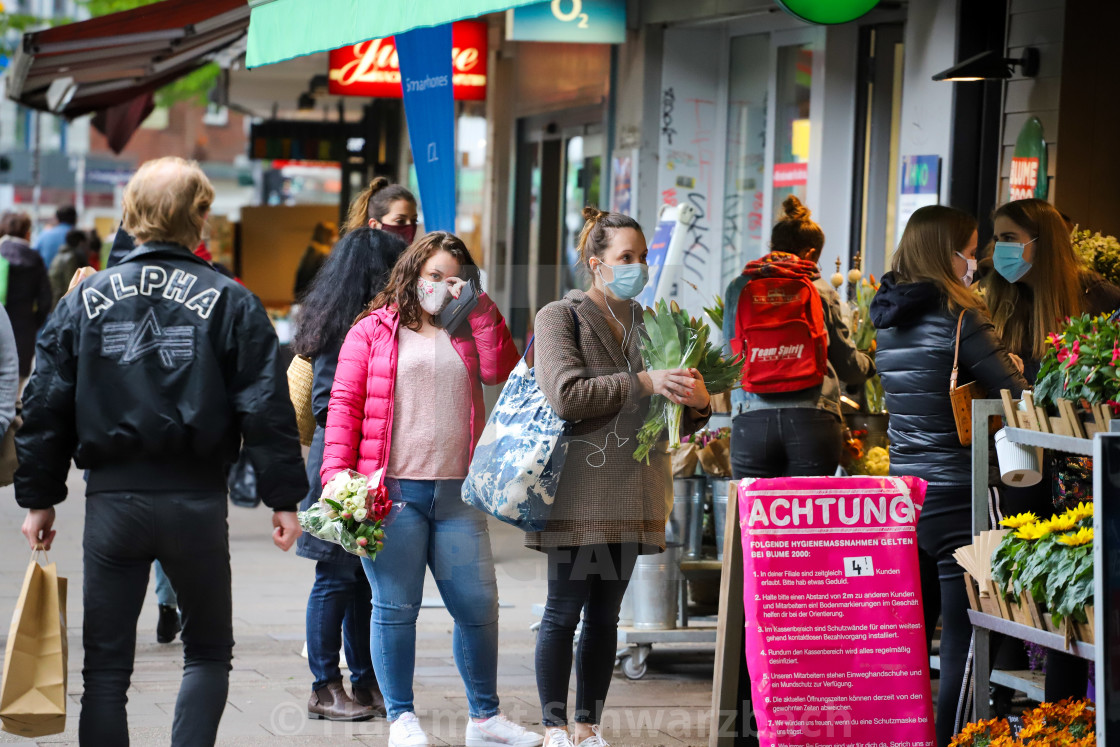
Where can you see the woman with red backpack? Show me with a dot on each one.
(786, 319)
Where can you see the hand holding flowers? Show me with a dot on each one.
(352, 512)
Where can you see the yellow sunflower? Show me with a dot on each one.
(1062, 523)
(1035, 531)
(1081, 511)
(1018, 520)
(1082, 536)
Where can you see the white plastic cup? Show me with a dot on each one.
(1020, 466)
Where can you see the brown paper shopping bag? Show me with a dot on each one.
(33, 688)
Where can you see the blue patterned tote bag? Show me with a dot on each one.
(518, 460)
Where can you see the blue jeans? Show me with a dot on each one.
(338, 613)
(165, 593)
(435, 529)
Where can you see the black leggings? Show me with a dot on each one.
(591, 579)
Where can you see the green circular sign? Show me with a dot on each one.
(828, 11)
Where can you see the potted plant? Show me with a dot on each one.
(1049, 563)
(1080, 366)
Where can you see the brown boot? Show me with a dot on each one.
(333, 704)
(370, 697)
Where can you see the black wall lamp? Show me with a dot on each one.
(991, 65)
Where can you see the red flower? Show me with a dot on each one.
(378, 504)
(1070, 356)
(1053, 339)
(1115, 353)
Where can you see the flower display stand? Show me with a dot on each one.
(1071, 432)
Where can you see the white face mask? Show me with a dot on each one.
(434, 295)
(970, 272)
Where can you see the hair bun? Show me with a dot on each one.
(378, 183)
(794, 210)
(593, 214)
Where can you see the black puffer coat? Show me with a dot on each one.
(916, 338)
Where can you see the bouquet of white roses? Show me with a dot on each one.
(352, 512)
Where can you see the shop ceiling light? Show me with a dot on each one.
(991, 65)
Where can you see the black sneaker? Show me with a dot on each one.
(169, 625)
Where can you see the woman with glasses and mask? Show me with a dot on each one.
(609, 508)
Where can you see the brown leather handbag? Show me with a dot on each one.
(961, 396)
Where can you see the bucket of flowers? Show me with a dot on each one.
(352, 512)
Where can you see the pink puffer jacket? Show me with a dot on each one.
(360, 415)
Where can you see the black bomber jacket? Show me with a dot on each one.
(152, 375)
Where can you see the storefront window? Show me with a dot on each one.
(581, 187)
(791, 122)
(744, 226)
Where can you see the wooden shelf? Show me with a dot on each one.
(1068, 444)
(1043, 638)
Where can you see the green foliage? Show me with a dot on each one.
(1081, 363)
(715, 312)
(672, 339)
(1101, 253)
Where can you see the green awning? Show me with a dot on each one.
(282, 29)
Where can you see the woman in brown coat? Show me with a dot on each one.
(609, 508)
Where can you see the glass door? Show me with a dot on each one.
(582, 186)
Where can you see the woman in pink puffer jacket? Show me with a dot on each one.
(407, 397)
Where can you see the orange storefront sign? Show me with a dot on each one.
(371, 69)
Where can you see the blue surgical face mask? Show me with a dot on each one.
(629, 280)
(1008, 260)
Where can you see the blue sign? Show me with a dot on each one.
(658, 250)
(582, 21)
(921, 175)
(430, 109)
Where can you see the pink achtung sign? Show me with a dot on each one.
(835, 639)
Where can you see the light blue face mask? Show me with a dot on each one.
(629, 280)
(1008, 260)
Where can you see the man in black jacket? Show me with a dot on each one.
(152, 375)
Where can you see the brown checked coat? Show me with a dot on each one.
(604, 495)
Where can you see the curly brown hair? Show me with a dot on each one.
(400, 291)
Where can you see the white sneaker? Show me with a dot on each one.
(559, 738)
(499, 731)
(406, 732)
(595, 740)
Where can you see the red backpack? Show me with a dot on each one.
(779, 324)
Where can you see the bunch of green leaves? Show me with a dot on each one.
(673, 339)
(1081, 363)
(1100, 253)
(715, 312)
(1069, 586)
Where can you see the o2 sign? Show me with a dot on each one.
(568, 17)
(580, 21)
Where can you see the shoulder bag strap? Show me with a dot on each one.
(956, 352)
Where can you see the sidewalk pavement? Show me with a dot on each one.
(270, 682)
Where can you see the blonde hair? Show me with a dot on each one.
(795, 232)
(374, 201)
(925, 253)
(167, 200)
(1026, 312)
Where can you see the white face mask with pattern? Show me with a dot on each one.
(434, 295)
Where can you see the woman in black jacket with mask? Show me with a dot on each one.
(916, 312)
